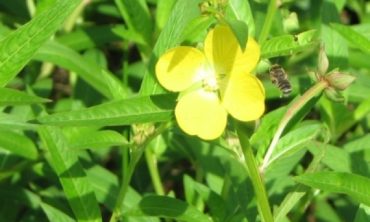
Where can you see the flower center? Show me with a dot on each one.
(207, 77)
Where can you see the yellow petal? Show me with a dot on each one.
(176, 70)
(223, 51)
(200, 113)
(247, 61)
(244, 97)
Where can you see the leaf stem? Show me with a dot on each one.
(268, 21)
(251, 166)
(293, 109)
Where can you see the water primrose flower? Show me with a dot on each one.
(213, 83)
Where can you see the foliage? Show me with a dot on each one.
(87, 133)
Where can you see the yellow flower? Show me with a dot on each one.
(213, 83)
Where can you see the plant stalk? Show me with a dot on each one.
(250, 164)
(271, 9)
(307, 96)
(151, 161)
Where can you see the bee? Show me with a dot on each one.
(279, 78)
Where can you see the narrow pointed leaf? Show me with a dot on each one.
(241, 10)
(351, 184)
(16, 97)
(65, 57)
(355, 38)
(73, 179)
(143, 109)
(97, 139)
(15, 122)
(18, 144)
(288, 44)
(240, 30)
(18, 47)
(167, 207)
(54, 214)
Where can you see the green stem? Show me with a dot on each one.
(137, 151)
(71, 21)
(123, 190)
(268, 21)
(307, 96)
(151, 161)
(251, 166)
(31, 7)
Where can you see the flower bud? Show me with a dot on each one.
(339, 80)
(333, 95)
(323, 63)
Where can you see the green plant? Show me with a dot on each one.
(87, 133)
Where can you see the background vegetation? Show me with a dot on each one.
(87, 134)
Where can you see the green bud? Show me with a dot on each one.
(333, 95)
(323, 63)
(339, 81)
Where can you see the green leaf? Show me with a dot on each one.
(355, 38)
(336, 47)
(106, 187)
(55, 214)
(288, 44)
(195, 190)
(266, 130)
(96, 139)
(60, 55)
(15, 122)
(240, 30)
(167, 207)
(296, 139)
(91, 37)
(18, 47)
(11, 97)
(363, 213)
(18, 144)
(351, 184)
(121, 112)
(241, 10)
(137, 17)
(299, 191)
(72, 177)
(164, 8)
(171, 35)
(196, 30)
